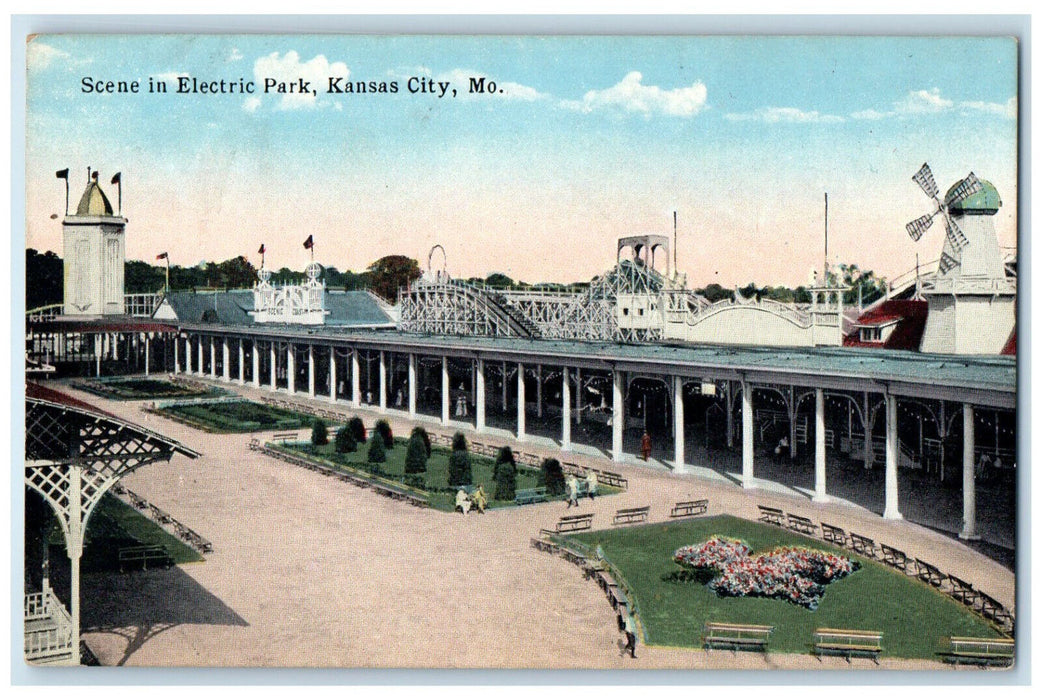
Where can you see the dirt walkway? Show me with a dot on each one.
(307, 571)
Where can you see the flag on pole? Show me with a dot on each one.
(310, 242)
(116, 179)
(162, 256)
(261, 251)
(62, 174)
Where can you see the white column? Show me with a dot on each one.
(291, 368)
(177, 355)
(820, 494)
(332, 373)
(199, 362)
(504, 386)
(412, 385)
(539, 391)
(618, 415)
(479, 397)
(520, 402)
(311, 371)
(274, 374)
(74, 546)
(115, 346)
(969, 485)
(226, 355)
(445, 390)
(213, 358)
(148, 343)
(97, 355)
(678, 424)
(383, 381)
(356, 390)
(566, 411)
(729, 406)
(242, 362)
(869, 449)
(188, 355)
(256, 363)
(747, 435)
(891, 512)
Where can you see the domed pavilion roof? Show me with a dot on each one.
(94, 202)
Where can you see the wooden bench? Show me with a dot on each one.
(983, 652)
(159, 515)
(929, 573)
(398, 494)
(687, 509)
(545, 545)
(833, 534)
(572, 523)
(848, 643)
(284, 437)
(144, 555)
(895, 558)
(254, 444)
(137, 501)
(863, 545)
(736, 636)
(994, 610)
(631, 515)
(798, 523)
(964, 592)
(612, 479)
(525, 496)
(772, 516)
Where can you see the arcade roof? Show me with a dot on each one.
(346, 309)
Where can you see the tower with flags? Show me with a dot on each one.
(93, 250)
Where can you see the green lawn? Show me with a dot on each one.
(914, 617)
(115, 524)
(138, 389)
(238, 417)
(435, 479)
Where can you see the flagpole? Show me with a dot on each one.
(168, 273)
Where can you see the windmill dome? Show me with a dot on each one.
(986, 201)
(94, 202)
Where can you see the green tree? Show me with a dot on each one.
(44, 279)
(551, 475)
(499, 280)
(459, 462)
(390, 273)
(377, 453)
(505, 474)
(345, 440)
(236, 273)
(383, 429)
(423, 436)
(416, 455)
(319, 432)
(459, 442)
(357, 428)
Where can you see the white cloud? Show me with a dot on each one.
(289, 69)
(870, 114)
(923, 102)
(235, 55)
(785, 115)
(631, 95)
(170, 76)
(40, 55)
(251, 104)
(1006, 109)
(505, 89)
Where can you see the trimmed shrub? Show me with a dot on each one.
(377, 453)
(505, 456)
(506, 481)
(415, 455)
(459, 468)
(344, 441)
(552, 476)
(383, 429)
(416, 481)
(424, 436)
(357, 428)
(459, 443)
(319, 433)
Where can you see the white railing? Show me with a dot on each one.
(43, 313)
(48, 627)
(142, 305)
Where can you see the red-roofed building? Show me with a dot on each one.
(1010, 348)
(896, 324)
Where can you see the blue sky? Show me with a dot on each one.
(593, 138)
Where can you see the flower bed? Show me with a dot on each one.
(795, 574)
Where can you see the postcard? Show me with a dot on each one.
(521, 352)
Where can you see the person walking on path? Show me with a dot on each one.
(630, 627)
(645, 446)
(591, 484)
(572, 485)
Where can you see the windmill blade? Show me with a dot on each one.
(947, 263)
(969, 186)
(917, 228)
(924, 178)
(955, 234)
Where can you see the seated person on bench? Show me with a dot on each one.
(479, 499)
(462, 501)
(591, 484)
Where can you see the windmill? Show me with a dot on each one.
(968, 186)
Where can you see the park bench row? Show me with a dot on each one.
(593, 569)
(188, 535)
(891, 556)
(626, 516)
(307, 409)
(380, 487)
(827, 642)
(142, 556)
